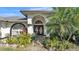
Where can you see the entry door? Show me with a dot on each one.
(39, 29)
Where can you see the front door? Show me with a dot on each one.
(39, 29)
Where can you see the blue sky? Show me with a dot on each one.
(14, 11)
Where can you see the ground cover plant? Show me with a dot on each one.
(21, 40)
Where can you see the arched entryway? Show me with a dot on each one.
(38, 25)
(39, 28)
(18, 26)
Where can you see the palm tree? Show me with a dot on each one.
(64, 22)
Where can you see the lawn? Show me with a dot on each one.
(30, 47)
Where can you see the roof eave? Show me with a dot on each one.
(25, 13)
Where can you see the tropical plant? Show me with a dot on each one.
(46, 43)
(60, 45)
(22, 40)
(12, 40)
(63, 22)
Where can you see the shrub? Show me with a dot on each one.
(56, 44)
(45, 43)
(60, 45)
(33, 36)
(12, 40)
(22, 40)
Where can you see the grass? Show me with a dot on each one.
(30, 47)
(11, 49)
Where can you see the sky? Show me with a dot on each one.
(15, 11)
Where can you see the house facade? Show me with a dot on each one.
(34, 23)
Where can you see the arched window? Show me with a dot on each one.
(38, 22)
(38, 19)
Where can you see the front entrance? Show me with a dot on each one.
(38, 25)
(39, 29)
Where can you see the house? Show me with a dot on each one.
(34, 22)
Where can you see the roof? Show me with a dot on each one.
(13, 19)
(26, 12)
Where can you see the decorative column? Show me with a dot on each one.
(30, 26)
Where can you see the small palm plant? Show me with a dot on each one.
(64, 22)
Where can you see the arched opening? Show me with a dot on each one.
(17, 28)
(38, 24)
(38, 28)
